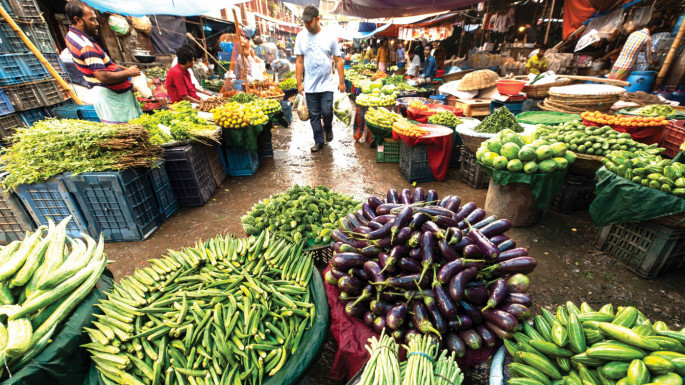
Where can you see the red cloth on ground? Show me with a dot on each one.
(178, 84)
(439, 148)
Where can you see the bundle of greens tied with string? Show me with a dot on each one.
(183, 123)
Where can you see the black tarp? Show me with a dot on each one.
(168, 33)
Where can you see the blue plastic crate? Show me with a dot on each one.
(226, 46)
(13, 70)
(442, 98)
(224, 56)
(87, 112)
(65, 110)
(8, 125)
(189, 174)
(14, 219)
(414, 166)
(57, 64)
(8, 8)
(5, 104)
(31, 116)
(52, 200)
(241, 161)
(32, 65)
(119, 204)
(515, 108)
(166, 201)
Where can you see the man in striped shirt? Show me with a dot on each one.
(637, 41)
(110, 86)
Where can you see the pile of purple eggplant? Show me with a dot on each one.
(415, 264)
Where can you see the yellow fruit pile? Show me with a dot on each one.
(404, 128)
(236, 116)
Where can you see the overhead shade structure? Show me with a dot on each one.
(162, 7)
(397, 8)
(340, 32)
(301, 2)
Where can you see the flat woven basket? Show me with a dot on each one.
(585, 164)
(477, 80)
(542, 90)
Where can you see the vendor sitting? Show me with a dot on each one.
(537, 63)
(178, 83)
(430, 67)
(413, 64)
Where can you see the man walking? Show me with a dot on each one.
(637, 41)
(315, 50)
(111, 89)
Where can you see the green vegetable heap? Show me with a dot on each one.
(213, 85)
(381, 117)
(268, 106)
(288, 84)
(581, 346)
(656, 110)
(509, 151)
(592, 140)
(394, 80)
(227, 311)
(243, 97)
(303, 212)
(182, 120)
(648, 170)
(52, 147)
(445, 118)
(500, 119)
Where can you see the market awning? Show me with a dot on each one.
(278, 22)
(397, 8)
(162, 7)
(301, 2)
(345, 34)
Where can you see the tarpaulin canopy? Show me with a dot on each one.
(346, 34)
(397, 8)
(301, 2)
(162, 7)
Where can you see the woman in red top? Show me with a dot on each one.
(178, 84)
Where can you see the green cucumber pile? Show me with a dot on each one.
(302, 212)
(592, 140)
(40, 285)
(581, 346)
(648, 170)
(509, 151)
(445, 118)
(227, 311)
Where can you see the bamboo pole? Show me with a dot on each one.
(670, 56)
(40, 56)
(204, 38)
(549, 21)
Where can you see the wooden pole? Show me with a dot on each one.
(192, 38)
(670, 56)
(204, 38)
(40, 56)
(549, 21)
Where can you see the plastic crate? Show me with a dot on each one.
(41, 37)
(515, 107)
(224, 56)
(50, 92)
(576, 194)
(52, 200)
(414, 166)
(87, 112)
(241, 161)
(388, 152)
(287, 107)
(31, 116)
(455, 160)
(25, 8)
(5, 104)
(214, 154)
(120, 205)
(33, 66)
(11, 42)
(24, 96)
(57, 64)
(645, 248)
(8, 8)
(672, 138)
(321, 255)
(471, 172)
(13, 70)
(189, 174)
(65, 110)
(8, 125)
(166, 201)
(14, 219)
(265, 148)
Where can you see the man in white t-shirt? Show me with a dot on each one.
(315, 51)
(413, 64)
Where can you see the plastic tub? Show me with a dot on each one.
(510, 87)
(640, 81)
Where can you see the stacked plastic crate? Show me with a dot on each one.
(28, 89)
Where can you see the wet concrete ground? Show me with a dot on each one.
(569, 267)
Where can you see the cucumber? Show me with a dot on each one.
(543, 327)
(645, 330)
(576, 337)
(615, 353)
(615, 370)
(627, 317)
(524, 381)
(638, 373)
(542, 364)
(624, 334)
(584, 359)
(667, 343)
(595, 316)
(550, 349)
(658, 365)
(668, 379)
(559, 334)
(530, 372)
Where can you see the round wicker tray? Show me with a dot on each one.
(585, 164)
(542, 91)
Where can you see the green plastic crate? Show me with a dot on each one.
(388, 152)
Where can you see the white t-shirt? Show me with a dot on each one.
(413, 66)
(318, 51)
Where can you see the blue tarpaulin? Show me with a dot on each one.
(162, 7)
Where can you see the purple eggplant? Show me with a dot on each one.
(386, 207)
(454, 235)
(337, 273)
(496, 228)
(345, 225)
(362, 230)
(409, 265)
(373, 225)
(427, 251)
(461, 322)
(346, 261)
(395, 254)
(435, 211)
(477, 263)
(476, 216)
(522, 265)
(488, 337)
(355, 311)
(396, 316)
(434, 228)
(401, 221)
(447, 307)
(506, 245)
(368, 319)
(330, 278)
(359, 244)
(347, 248)
(497, 239)
(521, 298)
(420, 318)
(488, 248)
(498, 292)
(374, 202)
(497, 330)
(402, 236)
(338, 236)
(379, 324)
(407, 281)
(453, 205)
(501, 319)
(392, 196)
(443, 202)
(419, 195)
(444, 221)
(459, 281)
(431, 196)
(417, 220)
(449, 270)
(520, 312)
(371, 251)
(476, 295)
(465, 241)
(369, 212)
(518, 283)
(379, 307)
(353, 220)
(484, 222)
(359, 215)
(455, 344)
(380, 233)
(399, 334)
(511, 254)
(373, 269)
(405, 196)
(415, 253)
(358, 272)
(472, 312)
(435, 314)
(350, 285)
(383, 262)
(447, 252)
(472, 252)
(347, 297)
(411, 334)
(383, 219)
(383, 242)
(471, 339)
(465, 211)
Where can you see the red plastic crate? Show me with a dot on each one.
(672, 138)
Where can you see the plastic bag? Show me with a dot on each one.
(142, 24)
(301, 107)
(140, 84)
(118, 24)
(342, 108)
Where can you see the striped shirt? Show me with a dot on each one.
(89, 57)
(635, 43)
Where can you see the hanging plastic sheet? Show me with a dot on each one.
(166, 7)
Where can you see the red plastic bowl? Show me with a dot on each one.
(510, 87)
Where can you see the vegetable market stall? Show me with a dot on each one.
(436, 144)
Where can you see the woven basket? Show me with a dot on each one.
(542, 91)
(585, 164)
(478, 80)
(472, 143)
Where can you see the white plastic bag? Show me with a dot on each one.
(140, 84)
(301, 106)
(342, 108)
